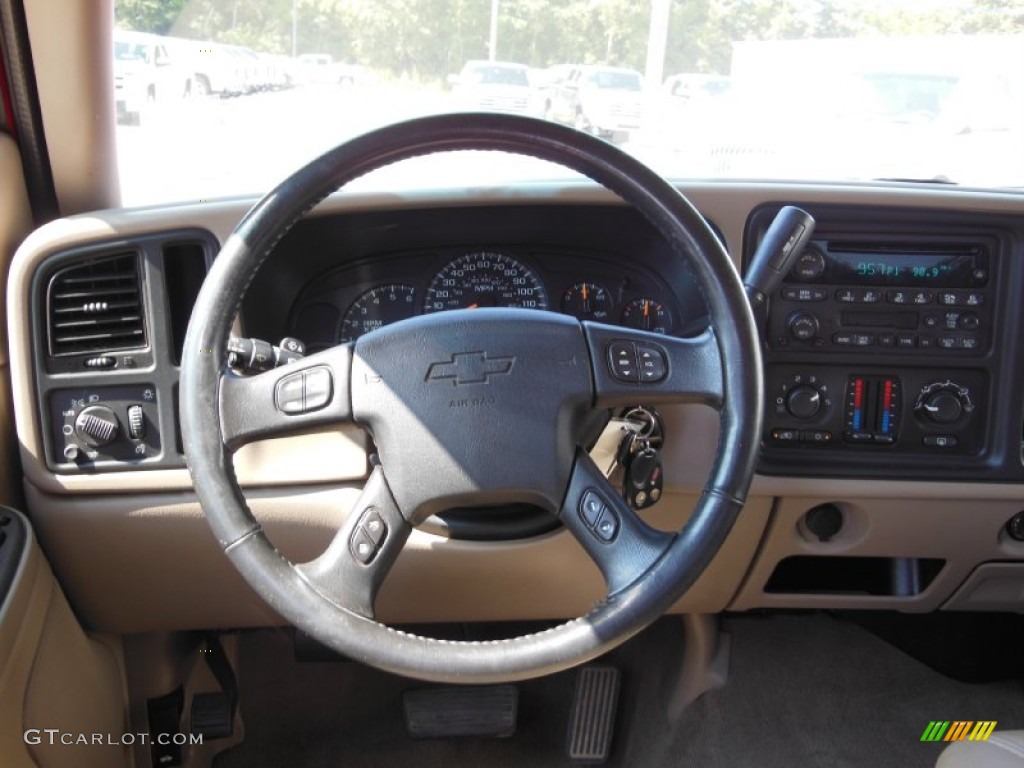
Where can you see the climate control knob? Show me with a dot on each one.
(97, 426)
(803, 402)
(944, 402)
(943, 407)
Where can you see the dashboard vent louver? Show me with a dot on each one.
(96, 306)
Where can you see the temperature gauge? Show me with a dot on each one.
(587, 301)
(647, 315)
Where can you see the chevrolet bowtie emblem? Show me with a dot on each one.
(469, 368)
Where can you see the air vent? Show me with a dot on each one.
(96, 307)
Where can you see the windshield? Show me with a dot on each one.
(819, 90)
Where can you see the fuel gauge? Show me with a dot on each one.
(647, 315)
(587, 301)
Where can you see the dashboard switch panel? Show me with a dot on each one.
(104, 427)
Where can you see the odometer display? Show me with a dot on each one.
(485, 279)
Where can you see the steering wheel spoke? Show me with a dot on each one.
(358, 559)
(633, 366)
(309, 393)
(623, 546)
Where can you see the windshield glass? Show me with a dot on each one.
(238, 95)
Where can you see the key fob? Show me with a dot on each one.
(644, 479)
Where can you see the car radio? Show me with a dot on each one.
(886, 298)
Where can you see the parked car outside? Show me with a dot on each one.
(604, 101)
(493, 86)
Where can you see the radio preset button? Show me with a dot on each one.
(898, 297)
(848, 295)
(923, 297)
(870, 296)
(949, 299)
(974, 299)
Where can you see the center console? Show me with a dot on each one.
(882, 346)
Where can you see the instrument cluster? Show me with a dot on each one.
(352, 301)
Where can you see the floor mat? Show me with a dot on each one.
(807, 690)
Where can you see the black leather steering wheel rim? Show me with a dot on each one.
(732, 349)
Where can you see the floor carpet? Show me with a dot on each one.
(803, 690)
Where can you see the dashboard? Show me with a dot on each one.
(892, 458)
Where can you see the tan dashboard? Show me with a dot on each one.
(906, 543)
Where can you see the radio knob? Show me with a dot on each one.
(803, 326)
(803, 402)
(943, 407)
(97, 426)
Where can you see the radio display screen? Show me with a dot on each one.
(944, 270)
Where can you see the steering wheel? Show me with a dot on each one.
(434, 390)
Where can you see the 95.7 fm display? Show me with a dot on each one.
(838, 263)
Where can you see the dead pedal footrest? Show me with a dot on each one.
(435, 713)
(592, 718)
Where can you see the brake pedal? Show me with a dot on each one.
(592, 718)
(436, 713)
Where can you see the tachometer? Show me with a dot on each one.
(485, 279)
(376, 308)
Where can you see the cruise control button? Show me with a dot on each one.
(622, 361)
(289, 394)
(607, 526)
(362, 546)
(374, 526)
(591, 508)
(319, 386)
(653, 363)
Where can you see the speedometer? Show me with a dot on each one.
(485, 279)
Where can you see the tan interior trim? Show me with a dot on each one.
(963, 533)
(74, 76)
(53, 676)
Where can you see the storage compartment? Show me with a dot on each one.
(885, 576)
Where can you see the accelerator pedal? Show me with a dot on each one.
(592, 718)
(483, 711)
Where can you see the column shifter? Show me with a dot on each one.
(775, 254)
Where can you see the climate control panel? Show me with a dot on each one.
(874, 411)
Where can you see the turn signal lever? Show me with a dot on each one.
(255, 355)
(778, 249)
